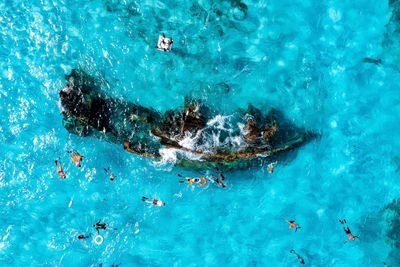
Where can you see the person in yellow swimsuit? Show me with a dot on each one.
(76, 157)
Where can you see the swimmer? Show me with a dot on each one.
(386, 264)
(347, 231)
(84, 236)
(153, 201)
(293, 224)
(221, 174)
(220, 179)
(271, 167)
(76, 157)
(99, 226)
(59, 169)
(112, 176)
(300, 258)
(189, 180)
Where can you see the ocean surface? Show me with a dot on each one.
(304, 58)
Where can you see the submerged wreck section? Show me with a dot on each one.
(196, 135)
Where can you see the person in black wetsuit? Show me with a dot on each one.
(99, 226)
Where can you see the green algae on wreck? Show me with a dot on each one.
(198, 137)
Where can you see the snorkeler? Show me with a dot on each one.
(347, 231)
(112, 176)
(220, 174)
(76, 157)
(271, 167)
(153, 201)
(102, 226)
(293, 224)
(59, 169)
(164, 43)
(220, 179)
(300, 258)
(188, 179)
(84, 236)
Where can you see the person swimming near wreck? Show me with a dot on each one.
(112, 176)
(220, 179)
(76, 157)
(202, 181)
(60, 169)
(292, 224)
(271, 166)
(347, 231)
(153, 201)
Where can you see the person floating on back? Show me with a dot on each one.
(112, 176)
(84, 236)
(347, 231)
(153, 201)
(60, 169)
(292, 224)
(76, 157)
(271, 167)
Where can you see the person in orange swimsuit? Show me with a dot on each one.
(292, 224)
(347, 231)
(76, 157)
(60, 170)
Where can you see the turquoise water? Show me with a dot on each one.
(304, 58)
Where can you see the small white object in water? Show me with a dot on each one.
(333, 124)
(219, 48)
(70, 204)
(98, 240)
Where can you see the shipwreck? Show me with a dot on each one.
(197, 135)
